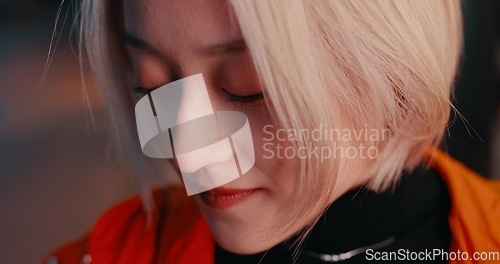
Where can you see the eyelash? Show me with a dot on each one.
(237, 99)
(142, 90)
(246, 99)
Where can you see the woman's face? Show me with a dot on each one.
(172, 39)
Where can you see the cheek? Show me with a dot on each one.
(282, 171)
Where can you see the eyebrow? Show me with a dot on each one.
(232, 46)
(137, 43)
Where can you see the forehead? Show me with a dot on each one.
(181, 22)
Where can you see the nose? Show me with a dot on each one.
(182, 101)
(220, 155)
(166, 107)
(204, 155)
(180, 122)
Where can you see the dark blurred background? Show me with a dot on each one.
(56, 173)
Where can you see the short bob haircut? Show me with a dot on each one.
(381, 64)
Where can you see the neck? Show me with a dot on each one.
(411, 215)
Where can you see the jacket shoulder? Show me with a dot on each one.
(125, 226)
(71, 252)
(475, 205)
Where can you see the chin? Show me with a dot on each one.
(244, 239)
(240, 237)
(244, 228)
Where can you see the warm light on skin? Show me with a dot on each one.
(165, 44)
(320, 63)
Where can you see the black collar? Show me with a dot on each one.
(414, 213)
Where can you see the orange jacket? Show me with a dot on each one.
(126, 234)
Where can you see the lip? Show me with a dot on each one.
(222, 198)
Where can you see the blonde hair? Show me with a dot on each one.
(350, 64)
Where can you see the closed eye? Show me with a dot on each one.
(142, 90)
(245, 99)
